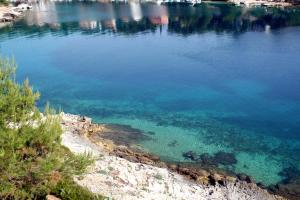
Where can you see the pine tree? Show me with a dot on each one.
(33, 163)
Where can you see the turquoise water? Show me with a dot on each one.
(208, 79)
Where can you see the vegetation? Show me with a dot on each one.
(3, 2)
(33, 163)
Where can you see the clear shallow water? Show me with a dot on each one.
(207, 79)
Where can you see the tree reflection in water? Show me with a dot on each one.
(132, 18)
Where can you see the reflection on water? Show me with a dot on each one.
(134, 17)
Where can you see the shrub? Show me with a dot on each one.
(68, 190)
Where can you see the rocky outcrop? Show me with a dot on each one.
(124, 173)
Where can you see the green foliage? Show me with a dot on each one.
(68, 190)
(76, 165)
(3, 2)
(17, 102)
(33, 163)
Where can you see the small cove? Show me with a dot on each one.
(208, 79)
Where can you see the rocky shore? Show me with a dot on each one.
(121, 172)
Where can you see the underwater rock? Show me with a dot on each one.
(290, 190)
(289, 174)
(123, 134)
(207, 160)
(221, 157)
(225, 158)
(261, 185)
(191, 155)
(151, 133)
(244, 177)
(173, 143)
(290, 186)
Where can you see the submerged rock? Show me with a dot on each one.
(221, 157)
(207, 160)
(290, 186)
(244, 177)
(173, 143)
(289, 174)
(290, 190)
(191, 155)
(225, 158)
(150, 133)
(123, 135)
(261, 185)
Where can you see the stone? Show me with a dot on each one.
(211, 180)
(85, 119)
(161, 164)
(145, 160)
(202, 172)
(202, 180)
(207, 160)
(290, 190)
(190, 155)
(52, 197)
(289, 174)
(224, 158)
(172, 167)
(173, 143)
(261, 185)
(244, 177)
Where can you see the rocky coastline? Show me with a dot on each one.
(124, 172)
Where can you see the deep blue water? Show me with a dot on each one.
(208, 79)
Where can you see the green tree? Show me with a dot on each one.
(3, 2)
(33, 163)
